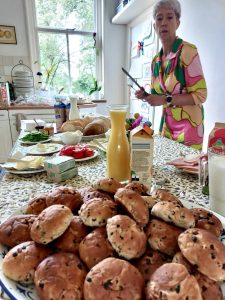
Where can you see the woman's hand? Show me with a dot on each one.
(152, 99)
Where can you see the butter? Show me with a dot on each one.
(59, 164)
(58, 177)
(30, 162)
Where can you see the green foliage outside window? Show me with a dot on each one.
(67, 14)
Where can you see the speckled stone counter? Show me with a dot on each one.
(15, 190)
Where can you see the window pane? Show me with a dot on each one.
(82, 63)
(54, 61)
(66, 14)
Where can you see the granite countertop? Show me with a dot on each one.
(15, 190)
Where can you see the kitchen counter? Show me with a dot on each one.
(15, 190)
(43, 106)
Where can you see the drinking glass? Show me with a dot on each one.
(216, 165)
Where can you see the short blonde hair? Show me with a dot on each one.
(172, 4)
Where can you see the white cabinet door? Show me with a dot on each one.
(5, 136)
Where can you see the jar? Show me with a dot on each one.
(118, 150)
(49, 129)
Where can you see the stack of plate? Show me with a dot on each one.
(23, 83)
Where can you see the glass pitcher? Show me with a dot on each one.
(118, 150)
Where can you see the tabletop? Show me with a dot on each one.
(15, 190)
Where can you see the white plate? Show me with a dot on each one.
(50, 149)
(88, 158)
(25, 172)
(33, 143)
(17, 291)
(87, 138)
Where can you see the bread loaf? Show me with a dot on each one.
(94, 128)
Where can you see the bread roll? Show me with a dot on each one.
(126, 237)
(94, 128)
(69, 126)
(95, 212)
(51, 223)
(16, 229)
(69, 241)
(113, 279)
(95, 247)
(60, 276)
(203, 250)
(172, 281)
(21, 261)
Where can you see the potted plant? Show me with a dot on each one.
(94, 91)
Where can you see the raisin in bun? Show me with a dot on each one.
(126, 237)
(112, 279)
(51, 223)
(203, 250)
(205, 219)
(64, 195)
(21, 261)
(61, 277)
(95, 212)
(69, 241)
(134, 204)
(172, 281)
(95, 247)
(163, 236)
(16, 229)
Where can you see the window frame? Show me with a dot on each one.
(33, 41)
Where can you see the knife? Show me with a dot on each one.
(135, 81)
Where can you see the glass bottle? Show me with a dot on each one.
(118, 150)
(74, 111)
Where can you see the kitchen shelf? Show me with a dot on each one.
(131, 10)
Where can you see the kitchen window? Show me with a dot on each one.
(68, 34)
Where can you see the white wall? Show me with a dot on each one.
(203, 24)
(114, 52)
(13, 13)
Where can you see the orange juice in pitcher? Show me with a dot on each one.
(118, 150)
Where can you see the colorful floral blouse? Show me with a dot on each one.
(183, 74)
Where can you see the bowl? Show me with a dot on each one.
(71, 138)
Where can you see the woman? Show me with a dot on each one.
(177, 80)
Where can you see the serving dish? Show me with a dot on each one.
(17, 291)
(87, 138)
(45, 149)
(34, 143)
(88, 157)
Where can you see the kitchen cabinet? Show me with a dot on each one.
(131, 10)
(5, 136)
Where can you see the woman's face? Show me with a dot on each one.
(166, 24)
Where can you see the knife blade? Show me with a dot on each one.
(135, 82)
